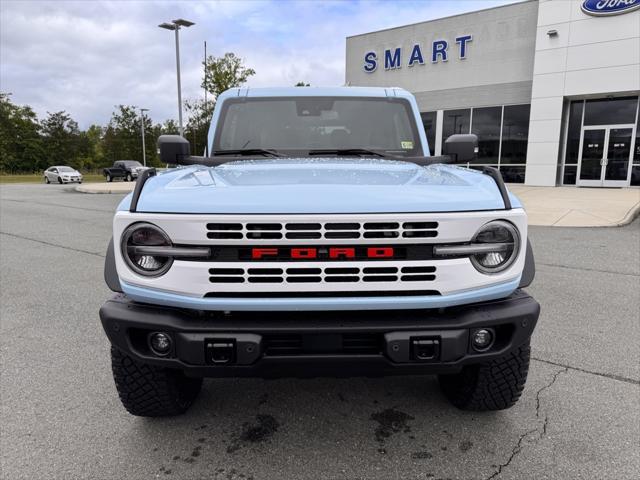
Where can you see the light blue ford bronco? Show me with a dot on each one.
(318, 237)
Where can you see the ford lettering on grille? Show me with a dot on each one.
(323, 253)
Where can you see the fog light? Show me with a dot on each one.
(160, 343)
(481, 339)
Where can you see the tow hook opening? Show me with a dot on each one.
(425, 349)
(220, 351)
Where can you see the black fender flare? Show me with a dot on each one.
(110, 272)
(529, 271)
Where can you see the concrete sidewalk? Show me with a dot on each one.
(104, 187)
(546, 206)
(578, 207)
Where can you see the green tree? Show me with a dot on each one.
(21, 148)
(302, 84)
(199, 118)
(61, 139)
(122, 138)
(223, 73)
(91, 156)
(169, 127)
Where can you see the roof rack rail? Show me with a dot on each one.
(497, 177)
(142, 178)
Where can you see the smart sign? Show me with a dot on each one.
(438, 51)
(609, 7)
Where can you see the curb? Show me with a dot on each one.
(87, 189)
(630, 216)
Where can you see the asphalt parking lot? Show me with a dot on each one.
(579, 416)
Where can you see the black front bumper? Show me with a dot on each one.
(304, 344)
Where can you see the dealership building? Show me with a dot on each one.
(550, 87)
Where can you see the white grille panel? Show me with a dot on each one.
(192, 279)
(318, 274)
(332, 230)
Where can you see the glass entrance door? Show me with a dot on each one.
(605, 156)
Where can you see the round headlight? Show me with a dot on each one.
(145, 235)
(504, 236)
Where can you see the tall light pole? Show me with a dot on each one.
(175, 25)
(144, 153)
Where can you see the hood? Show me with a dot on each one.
(319, 185)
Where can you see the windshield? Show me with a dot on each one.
(65, 169)
(132, 163)
(302, 124)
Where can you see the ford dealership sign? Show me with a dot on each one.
(609, 7)
(437, 51)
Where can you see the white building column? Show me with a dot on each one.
(437, 148)
(547, 94)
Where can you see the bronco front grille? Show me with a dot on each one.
(321, 230)
(388, 273)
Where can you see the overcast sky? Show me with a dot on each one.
(85, 57)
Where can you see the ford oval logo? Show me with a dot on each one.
(609, 7)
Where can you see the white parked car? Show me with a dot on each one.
(62, 174)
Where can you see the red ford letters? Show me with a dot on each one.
(313, 253)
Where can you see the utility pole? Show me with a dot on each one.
(206, 139)
(175, 25)
(144, 153)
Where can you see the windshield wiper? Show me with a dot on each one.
(349, 152)
(247, 151)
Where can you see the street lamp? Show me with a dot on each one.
(175, 26)
(144, 153)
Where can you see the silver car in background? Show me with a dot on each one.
(62, 174)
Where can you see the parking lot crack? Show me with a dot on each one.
(595, 270)
(545, 423)
(516, 450)
(610, 376)
(540, 430)
(61, 205)
(52, 244)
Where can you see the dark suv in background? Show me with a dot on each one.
(125, 169)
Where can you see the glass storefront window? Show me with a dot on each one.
(503, 133)
(429, 122)
(635, 168)
(573, 132)
(513, 173)
(570, 173)
(486, 125)
(612, 111)
(455, 121)
(515, 133)
(606, 113)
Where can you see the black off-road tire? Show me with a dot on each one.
(129, 177)
(493, 385)
(150, 391)
(108, 178)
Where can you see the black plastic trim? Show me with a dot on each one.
(529, 271)
(515, 317)
(497, 177)
(110, 272)
(142, 178)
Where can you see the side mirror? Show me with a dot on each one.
(461, 148)
(173, 149)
